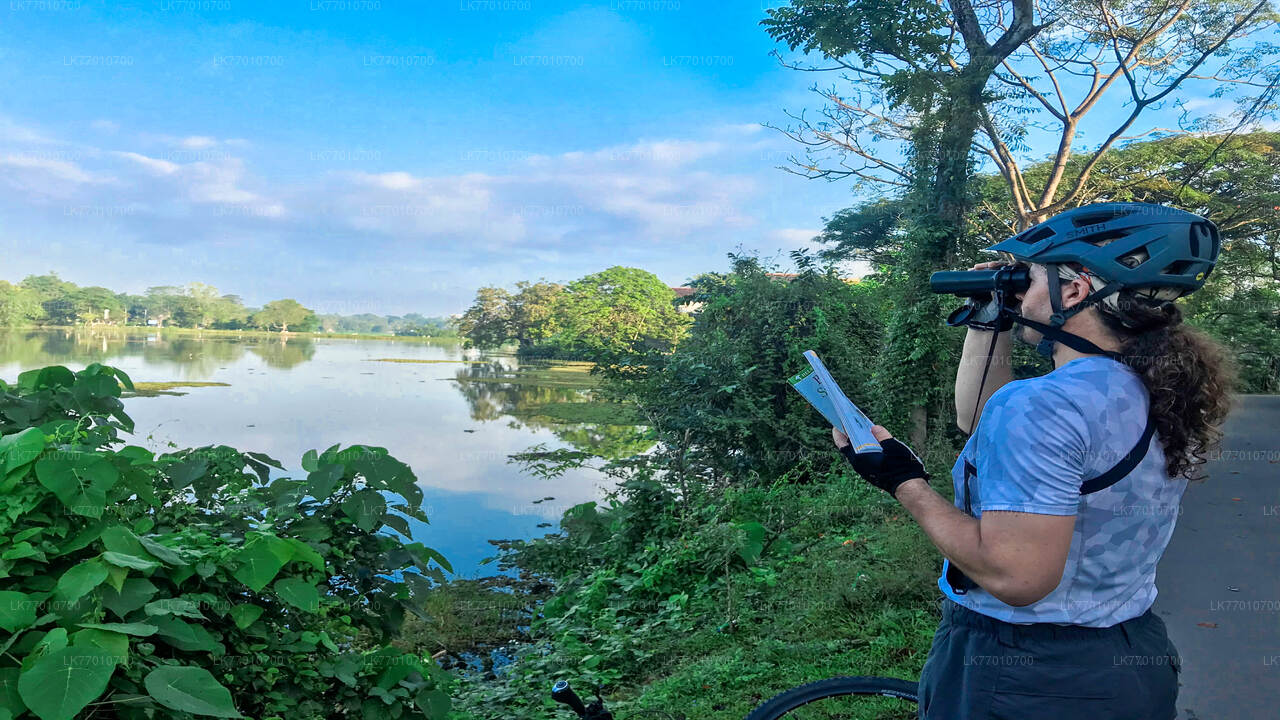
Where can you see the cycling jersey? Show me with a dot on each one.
(1037, 440)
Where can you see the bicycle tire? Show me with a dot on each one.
(782, 703)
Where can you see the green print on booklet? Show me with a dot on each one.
(193, 583)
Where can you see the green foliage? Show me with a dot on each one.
(723, 400)
(280, 314)
(616, 313)
(194, 583)
(606, 316)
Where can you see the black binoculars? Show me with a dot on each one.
(1008, 279)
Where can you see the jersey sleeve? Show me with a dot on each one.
(1033, 459)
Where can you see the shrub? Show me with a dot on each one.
(194, 583)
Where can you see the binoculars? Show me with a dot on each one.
(1008, 279)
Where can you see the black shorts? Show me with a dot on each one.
(980, 668)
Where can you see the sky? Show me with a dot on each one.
(390, 156)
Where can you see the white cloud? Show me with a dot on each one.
(59, 169)
(197, 142)
(155, 165)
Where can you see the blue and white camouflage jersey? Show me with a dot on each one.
(1037, 440)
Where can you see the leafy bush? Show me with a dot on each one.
(723, 396)
(194, 583)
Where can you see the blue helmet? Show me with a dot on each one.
(1126, 244)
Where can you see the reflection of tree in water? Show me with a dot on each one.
(39, 348)
(607, 441)
(490, 399)
(197, 357)
(286, 353)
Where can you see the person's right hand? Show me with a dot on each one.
(988, 311)
(989, 265)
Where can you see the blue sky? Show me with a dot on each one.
(392, 156)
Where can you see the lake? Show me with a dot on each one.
(453, 415)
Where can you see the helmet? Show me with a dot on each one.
(1127, 244)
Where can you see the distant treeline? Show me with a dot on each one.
(50, 300)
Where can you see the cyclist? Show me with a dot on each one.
(1067, 491)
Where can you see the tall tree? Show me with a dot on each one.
(930, 62)
(618, 312)
(281, 314)
(487, 323)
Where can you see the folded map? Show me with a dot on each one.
(820, 389)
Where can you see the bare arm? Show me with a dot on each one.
(1017, 557)
(973, 360)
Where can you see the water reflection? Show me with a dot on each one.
(453, 422)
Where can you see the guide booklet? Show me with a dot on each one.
(820, 389)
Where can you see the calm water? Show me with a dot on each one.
(285, 398)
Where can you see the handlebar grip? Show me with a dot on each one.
(562, 693)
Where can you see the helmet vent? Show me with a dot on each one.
(1096, 218)
(1134, 259)
(1031, 237)
(1178, 268)
(1103, 238)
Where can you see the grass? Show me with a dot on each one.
(152, 389)
(853, 594)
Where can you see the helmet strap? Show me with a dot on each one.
(1052, 332)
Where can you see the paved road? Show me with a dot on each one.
(1219, 580)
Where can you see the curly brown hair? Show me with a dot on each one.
(1189, 377)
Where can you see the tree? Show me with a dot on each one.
(617, 312)
(55, 297)
(161, 303)
(924, 80)
(18, 305)
(487, 323)
(94, 305)
(281, 314)
(533, 311)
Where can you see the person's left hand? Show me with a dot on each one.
(895, 466)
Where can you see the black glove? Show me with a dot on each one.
(896, 465)
(982, 313)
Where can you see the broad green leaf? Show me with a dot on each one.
(322, 481)
(163, 553)
(17, 610)
(261, 559)
(129, 561)
(245, 614)
(184, 635)
(174, 606)
(79, 479)
(132, 595)
(302, 552)
(366, 507)
(310, 460)
(63, 682)
(79, 580)
(399, 524)
(113, 642)
(116, 577)
(433, 703)
(190, 689)
(120, 539)
(298, 593)
(10, 700)
(423, 553)
(136, 629)
(20, 448)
